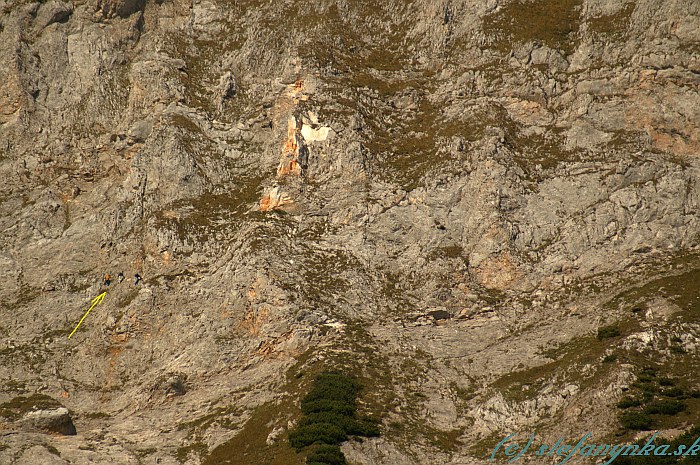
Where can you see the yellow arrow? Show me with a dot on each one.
(96, 301)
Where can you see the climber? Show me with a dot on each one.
(137, 278)
(107, 280)
(120, 276)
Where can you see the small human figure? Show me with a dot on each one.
(107, 280)
(120, 276)
(137, 278)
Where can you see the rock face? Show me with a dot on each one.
(295, 154)
(447, 199)
(119, 8)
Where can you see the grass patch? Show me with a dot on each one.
(686, 439)
(125, 300)
(484, 446)
(682, 288)
(18, 406)
(554, 23)
(196, 448)
(567, 358)
(660, 401)
(249, 446)
(636, 421)
(447, 441)
(97, 415)
(615, 24)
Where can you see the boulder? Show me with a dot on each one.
(54, 420)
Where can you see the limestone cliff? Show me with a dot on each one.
(486, 211)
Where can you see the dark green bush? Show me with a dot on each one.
(317, 433)
(335, 386)
(368, 427)
(675, 392)
(686, 439)
(329, 418)
(646, 388)
(609, 358)
(665, 407)
(346, 422)
(636, 421)
(666, 382)
(327, 405)
(628, 402)
(326, 455)
(607, 332)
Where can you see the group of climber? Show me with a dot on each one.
(120, 277)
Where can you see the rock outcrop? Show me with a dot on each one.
(445, 199)
(56, 420)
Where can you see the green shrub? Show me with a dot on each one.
(636, 421)
(607, 332)
(335, 386)
(327, 405)
(686, 439)
(665, 407)
(326, 455)
(346, 422)
(317, 433)
(368, 427)
(677, 350)
(649, 388)
(666, 382)
(628, 402)
(329, 418)
(609, 358)
(675, 392)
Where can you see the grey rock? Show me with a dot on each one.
(121, 8)
(227, 88)
(53, 11)
(471, 197)
(56, 420)
(39, 454)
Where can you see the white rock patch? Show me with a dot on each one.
(315, 135)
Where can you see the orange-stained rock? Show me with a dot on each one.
(294, 152)
(498, 272)
(275, 198)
